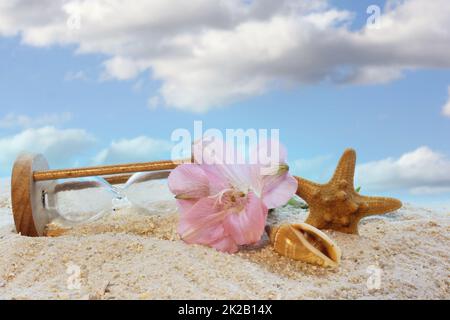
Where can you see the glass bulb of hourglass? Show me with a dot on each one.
(82, 200)
(149, 191)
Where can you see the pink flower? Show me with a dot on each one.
(225, 206)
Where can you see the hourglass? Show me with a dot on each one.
(79, 195)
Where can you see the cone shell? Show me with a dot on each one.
(306, 243)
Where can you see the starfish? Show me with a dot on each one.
(336, 205)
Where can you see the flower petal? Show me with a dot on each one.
(189, 181)
(209, 150)
(247, 226)
(185, 205)
(226, 244)
(279, 190)
(216, 179)
(202, 224)
(240, 176)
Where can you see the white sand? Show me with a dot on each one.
(133, 256)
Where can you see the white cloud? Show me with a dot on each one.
(422, 171)
(153, 102)
(446, 108)
(70, 147)
(138, 149)
(429, 190)
(209, 53)
(122, 69)
(60, 147)
(12, 120)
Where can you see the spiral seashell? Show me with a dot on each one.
(306, 243)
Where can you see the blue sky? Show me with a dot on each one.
(386, 105)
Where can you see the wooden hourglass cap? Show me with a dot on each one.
(27, 196)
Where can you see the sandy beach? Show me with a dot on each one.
(129, 255)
